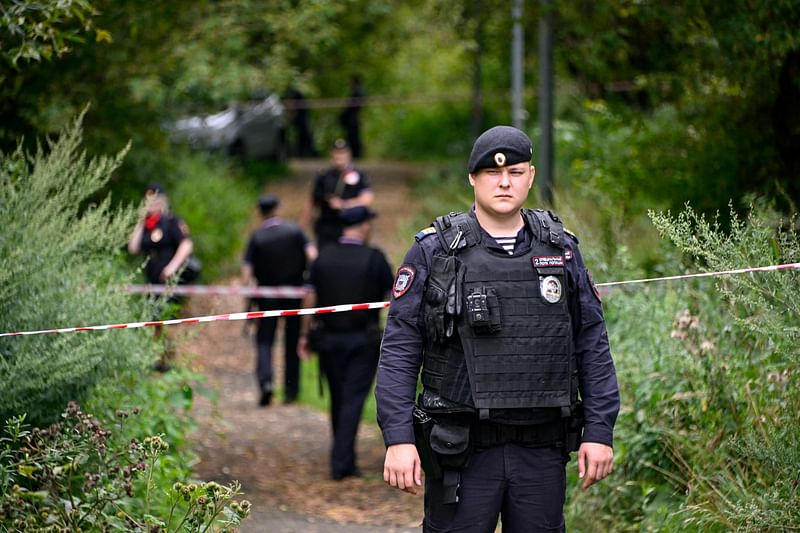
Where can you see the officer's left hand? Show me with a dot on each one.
(595, 461)
(168, 272)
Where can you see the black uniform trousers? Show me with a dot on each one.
(524, 485)
(349, 361)
(265, 337)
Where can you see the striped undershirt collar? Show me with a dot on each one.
(506, 243)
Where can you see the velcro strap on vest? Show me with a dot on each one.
(551, 229)
(486, 434)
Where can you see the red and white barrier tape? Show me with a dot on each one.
(362, 307)
(194, 290)
(771, 268)
(212, 318)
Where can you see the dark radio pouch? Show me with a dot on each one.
(483, 310)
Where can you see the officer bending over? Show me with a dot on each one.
(497, 309)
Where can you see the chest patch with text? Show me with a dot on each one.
(547, 261)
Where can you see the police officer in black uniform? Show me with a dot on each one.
(340, 187)
(165, 239)
(163, 236)
(277, 255)
(347, 343)
(497, 309)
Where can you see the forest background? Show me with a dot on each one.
(657, 105)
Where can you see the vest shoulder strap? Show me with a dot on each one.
(546, 225)
(421, 234)
(456, 231)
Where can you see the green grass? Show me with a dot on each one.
(310, 392)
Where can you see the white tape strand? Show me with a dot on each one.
(249, 315)
(771, 268)
(194, 290)
(361, 307)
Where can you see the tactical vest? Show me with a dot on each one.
(279, 255)
(510, 356)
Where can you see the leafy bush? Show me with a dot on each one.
(217, 201)
(707, 436)
(61, 265)
(74, 475)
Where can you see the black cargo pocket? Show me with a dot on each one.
(451, 442)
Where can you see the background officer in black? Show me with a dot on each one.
(498, 310)
(340, 187)
(277, 255)
(347, 343)
(350, 119)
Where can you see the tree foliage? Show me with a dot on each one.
(32, 30)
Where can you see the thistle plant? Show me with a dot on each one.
(72, 476)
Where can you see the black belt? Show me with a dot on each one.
(491, 434)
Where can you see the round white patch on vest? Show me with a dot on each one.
(550, 287)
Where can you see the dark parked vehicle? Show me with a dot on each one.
(252, 130)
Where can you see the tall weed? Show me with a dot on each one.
(707, 436)
(61, 265)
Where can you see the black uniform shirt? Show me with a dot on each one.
(341, 276)
(276, 251)
(161, 243)
(403, 339)
(346, 185)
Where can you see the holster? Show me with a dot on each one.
(444, 448)
(423, 425)
(574, 428)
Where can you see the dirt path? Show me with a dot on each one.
(280, 453)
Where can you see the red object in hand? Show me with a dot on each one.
(151, 220)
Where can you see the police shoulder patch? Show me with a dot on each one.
(430, 230)
(403, 280)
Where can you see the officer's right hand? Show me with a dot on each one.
(402, 468)
(303, 349)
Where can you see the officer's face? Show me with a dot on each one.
(500, 191)
(341, 159)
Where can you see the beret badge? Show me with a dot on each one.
(500, 159)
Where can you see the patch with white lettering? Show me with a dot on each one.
(403, 280)
(547, 261)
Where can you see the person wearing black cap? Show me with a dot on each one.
(166, 241)
(340, 187)
(277, 254)
(162, 235)
(497, 310)
(349, 271)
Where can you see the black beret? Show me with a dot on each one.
(498, 147)
(340, 144)
(155, 188)
(356, 215)
(268, 202)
